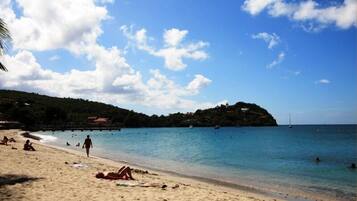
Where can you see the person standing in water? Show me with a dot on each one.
(88, 144)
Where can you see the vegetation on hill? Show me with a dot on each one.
(35, 110)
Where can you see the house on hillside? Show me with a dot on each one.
(98, 121)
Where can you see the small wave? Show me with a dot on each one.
(45, 138)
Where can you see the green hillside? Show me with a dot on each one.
(35, 110)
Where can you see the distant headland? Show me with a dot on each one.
(36, 112)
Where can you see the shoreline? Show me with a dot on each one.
(154, 170)
(49, 174)
(58, 161)
(276, 192)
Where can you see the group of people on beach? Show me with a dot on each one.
(123, 173)
(27, 146)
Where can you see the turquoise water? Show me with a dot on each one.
(268, 157)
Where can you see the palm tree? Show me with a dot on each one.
(4, 37)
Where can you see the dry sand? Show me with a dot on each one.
(47, 174)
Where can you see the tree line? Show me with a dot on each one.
(33, 109)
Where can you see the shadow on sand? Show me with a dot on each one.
(7, 192)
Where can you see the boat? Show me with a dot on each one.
(190, 126)
(217, 127)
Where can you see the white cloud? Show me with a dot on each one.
(54, 58)
(277, 61)
(158, 91)
(323, 81)
(173, 37)
(74, 26)
(104, 1)
(173, 51)
(254, 7)
(196, 84)
(309, 11)
(271, 39)
(47, 25)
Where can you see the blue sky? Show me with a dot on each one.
(295, 57)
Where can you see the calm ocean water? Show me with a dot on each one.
(268, 158)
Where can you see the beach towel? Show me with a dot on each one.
(79, 165)
(130, 183)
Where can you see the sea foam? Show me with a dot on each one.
(45, 138)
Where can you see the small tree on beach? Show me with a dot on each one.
(4, 37)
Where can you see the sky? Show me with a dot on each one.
(166, 56)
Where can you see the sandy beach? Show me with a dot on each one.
(54, 174)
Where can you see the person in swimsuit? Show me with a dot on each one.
(123, 173)
(87, 144)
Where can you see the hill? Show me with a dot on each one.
(35, 110)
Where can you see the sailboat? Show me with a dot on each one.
(290, 126)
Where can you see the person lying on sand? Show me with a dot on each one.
(28, 146)
(4, 141)
(123, 173)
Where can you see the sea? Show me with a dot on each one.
(274, 160)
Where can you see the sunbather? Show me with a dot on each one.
(123, 173)
(28, 146)
(4, 141)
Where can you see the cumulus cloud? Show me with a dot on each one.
(158, 91)
(271, 39)
(74, 26)
(277, 61)
(199, 82)
(104, 1)
(47, 25)
(173, 37)
(254, 7)
(323, 81)
(342, 16)
(173, 51)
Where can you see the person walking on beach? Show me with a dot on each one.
(88, 144)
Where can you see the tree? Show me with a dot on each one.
(4, 37)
